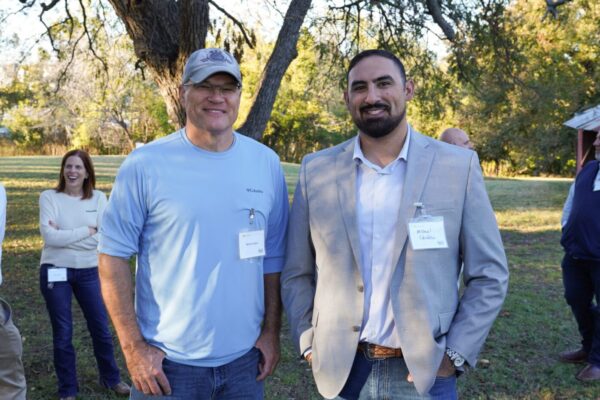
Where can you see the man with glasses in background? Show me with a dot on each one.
(205, 210)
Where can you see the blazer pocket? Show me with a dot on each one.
(438, 206)
(445, 321)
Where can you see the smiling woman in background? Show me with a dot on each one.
(70, 218)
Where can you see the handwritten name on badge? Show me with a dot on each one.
(252, 244)
(427, 234)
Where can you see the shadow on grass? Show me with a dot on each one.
(534, 325)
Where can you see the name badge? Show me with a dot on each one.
(57, 275)
(427, 232)
(252, 244)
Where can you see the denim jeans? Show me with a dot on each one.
(236, 380)
(377, 379)
(85, 285)
(581, 279)
(12, 374)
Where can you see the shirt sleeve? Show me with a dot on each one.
(126, 211)
(277, 226)
(52, 236)
(567, 207)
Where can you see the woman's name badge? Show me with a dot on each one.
(57, 274)
(252, 244)
(427, 232)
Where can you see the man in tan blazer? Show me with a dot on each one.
(379, 228)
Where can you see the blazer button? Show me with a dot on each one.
(361, 288)
(356, 328)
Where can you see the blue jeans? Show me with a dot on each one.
(236, 380)
(85, 285)
(581, 279)
(376, 379)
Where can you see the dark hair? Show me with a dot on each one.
(379, 53)
(89, 184)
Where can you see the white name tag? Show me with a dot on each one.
(252, 244)
(427, 233)
(57, 275)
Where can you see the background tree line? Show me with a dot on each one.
(509, 76)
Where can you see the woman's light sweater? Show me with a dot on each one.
(71, 245)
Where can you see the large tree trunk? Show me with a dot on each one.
(283, 54)
(166, 32)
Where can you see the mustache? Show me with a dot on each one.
(376, 106)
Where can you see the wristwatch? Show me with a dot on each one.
(456, 358)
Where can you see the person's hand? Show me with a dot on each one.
(93, 230)
(268, 344)
(447, 368)
(308, 357)
(144, 363)
(53, 224)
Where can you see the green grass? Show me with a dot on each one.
(534, 325)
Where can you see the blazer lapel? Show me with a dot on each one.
(419, 161)
(345, 169)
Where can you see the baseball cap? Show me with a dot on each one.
(206, 62)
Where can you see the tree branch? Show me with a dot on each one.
(49, 6)
(434, 9)
(283, 53)
(90, 41)
(236, 22)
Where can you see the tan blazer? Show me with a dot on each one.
(322, 287)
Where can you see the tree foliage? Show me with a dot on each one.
(165, 32)
(529, 76)
(105, 111)
(510, 78)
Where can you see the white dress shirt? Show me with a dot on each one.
(378, 196)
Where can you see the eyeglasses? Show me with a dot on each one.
(207, 89)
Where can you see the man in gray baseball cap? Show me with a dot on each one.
(205, 210)
(206, 62)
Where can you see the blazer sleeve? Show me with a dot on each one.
(485, 272)
(298, 275)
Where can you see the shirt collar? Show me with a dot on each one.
(359, 156)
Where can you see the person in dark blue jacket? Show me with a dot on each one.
(581, 265)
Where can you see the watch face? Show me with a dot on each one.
(459, 361)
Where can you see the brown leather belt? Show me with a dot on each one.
(379, 352)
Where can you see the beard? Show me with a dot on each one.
(598, 155)
(377, 127)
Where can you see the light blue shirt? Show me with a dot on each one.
(181, 210)
(379, 192)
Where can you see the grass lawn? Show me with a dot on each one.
(519, 357)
